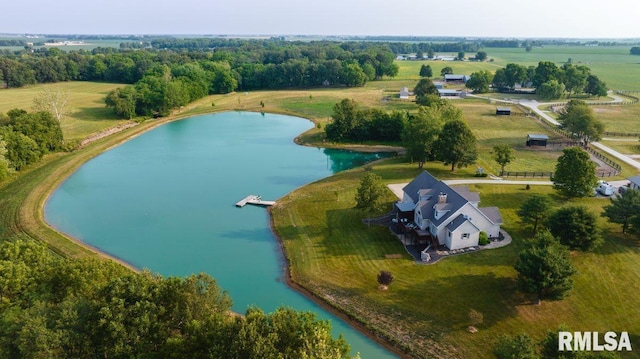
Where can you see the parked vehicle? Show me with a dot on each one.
(605, 189)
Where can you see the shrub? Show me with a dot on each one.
(483, 239)
(385, 278)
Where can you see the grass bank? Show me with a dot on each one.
(337, 257)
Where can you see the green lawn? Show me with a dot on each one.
(86, 111)
(425, 310)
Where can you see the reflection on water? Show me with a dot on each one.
(340, 160)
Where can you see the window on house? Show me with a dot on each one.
(465, 235)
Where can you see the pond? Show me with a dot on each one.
(165, 201)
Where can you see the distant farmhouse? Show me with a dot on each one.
(443, 215)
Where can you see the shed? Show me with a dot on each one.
(503, 111)
(537, 140)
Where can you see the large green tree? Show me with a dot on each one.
(551, 90)
(518, 347)
(595, 86)
(345, 118)
(544, 268)
(578, 118)
(21, 150)
(370, 194)
(535, 210)
(123, 102)
(574, 77)
(425, 87)
(480, 81)
(422, 130)
(576, 227)
(456, 145)
(503, 155)
(623, 209)
(575, 174)
(426, 71)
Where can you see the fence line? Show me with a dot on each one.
(622, 134)
(526, 174)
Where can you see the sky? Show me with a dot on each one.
(469, 18)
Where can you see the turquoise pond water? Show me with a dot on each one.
(165, 201)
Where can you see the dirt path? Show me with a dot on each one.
(107, 132)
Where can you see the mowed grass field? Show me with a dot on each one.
(334, 254)
(86, 112)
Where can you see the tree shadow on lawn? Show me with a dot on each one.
(448, 300)
(90, 114)
(615, 242)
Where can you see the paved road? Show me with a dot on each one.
(533, 105)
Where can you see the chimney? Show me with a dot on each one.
(442, 197)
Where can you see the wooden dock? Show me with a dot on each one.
(255, 200)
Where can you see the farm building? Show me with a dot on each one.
(537, 140)
(456, 78)
(449, 93)
(404, 93)
(503, 111)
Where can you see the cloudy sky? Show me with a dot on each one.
(483, 18)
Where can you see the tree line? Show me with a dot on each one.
(25, 138)
(549, 80)
(53, 307)
(254, 64)
(435, 132)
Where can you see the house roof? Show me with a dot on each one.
(466, 194)
(493, 213)
(459, 221)
(428, 188)
(447, 91)
(635, 180)
(534, 136)
(454, 77)
(503, 109)
(405, 206)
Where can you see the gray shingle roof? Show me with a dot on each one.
(468, 195)
(635, 180)
(427, 185)
(493, 213)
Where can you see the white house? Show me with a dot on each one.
(446, 215)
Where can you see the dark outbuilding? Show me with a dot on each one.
(537, 140)
(503, 111)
